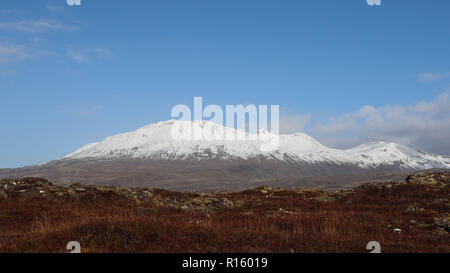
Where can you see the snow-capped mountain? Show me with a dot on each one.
(156, 141)
(153, 156)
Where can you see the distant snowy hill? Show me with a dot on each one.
(155, 141)
(151, 157)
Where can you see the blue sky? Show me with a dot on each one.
(343, 71)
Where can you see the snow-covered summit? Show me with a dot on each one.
(156, 141)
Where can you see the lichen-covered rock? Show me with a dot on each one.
(29, 188)
(144, 195)
(265, 190)
(80, 189)
(208, 202)
(433, 178)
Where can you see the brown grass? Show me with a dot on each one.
(309, 221)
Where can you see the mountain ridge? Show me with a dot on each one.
(154, 141)
(149, 157)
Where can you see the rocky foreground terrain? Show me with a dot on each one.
(404, 216)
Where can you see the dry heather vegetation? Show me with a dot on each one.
(37, 216)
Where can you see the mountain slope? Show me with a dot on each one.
(155, 142)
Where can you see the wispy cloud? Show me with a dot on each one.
(10, 53)
(88, 54)
(432, 76)
(78, 56)
(293, 123)
(425, 126)
(35, 26)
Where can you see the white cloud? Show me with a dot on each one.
(35, 26)
(293, 123)
(10, 53)
(86, 55)
(425, 126)
(78, 56)
(431, 76)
